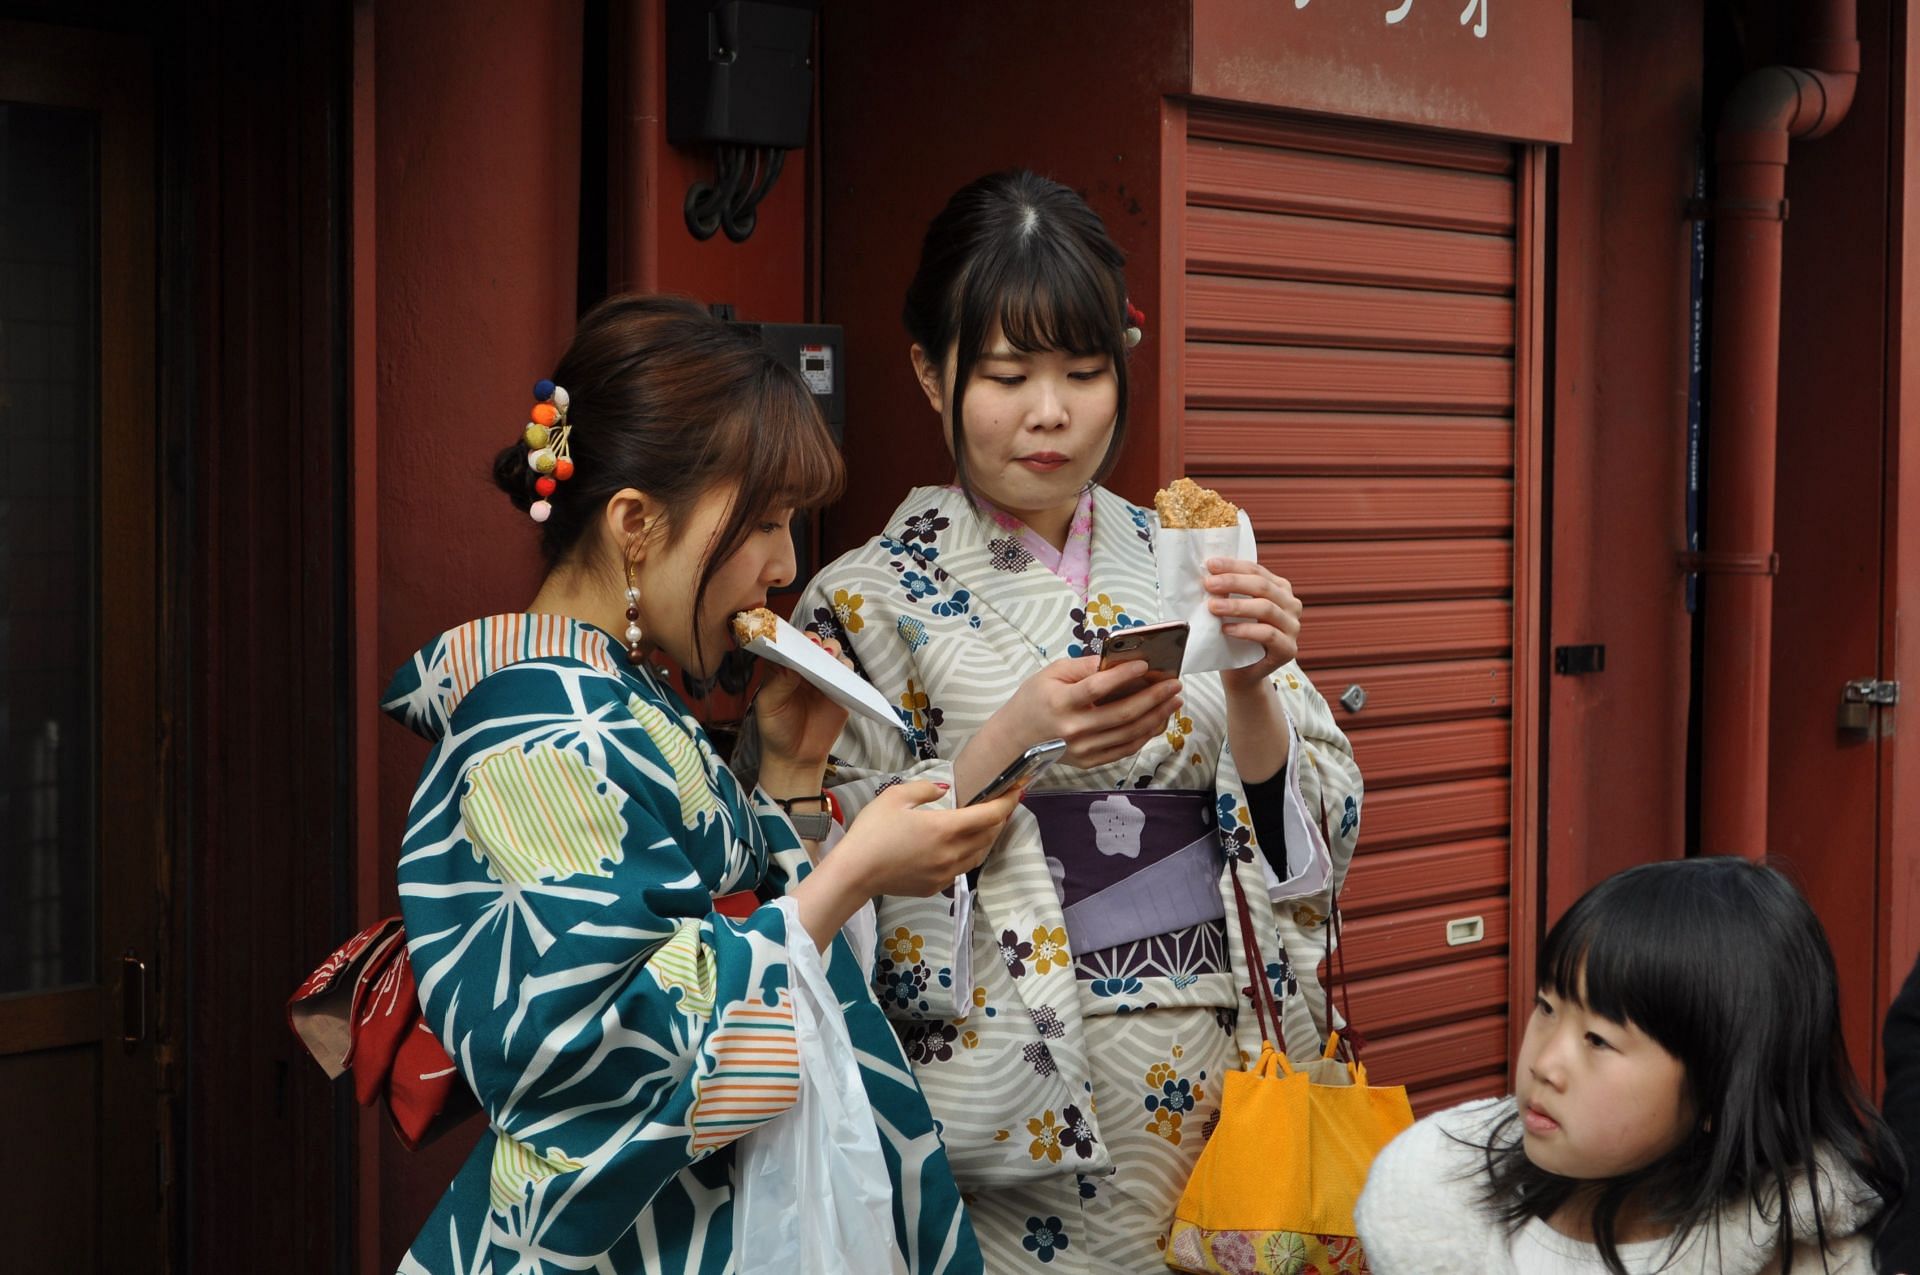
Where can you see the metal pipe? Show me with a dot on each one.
(1766, 109)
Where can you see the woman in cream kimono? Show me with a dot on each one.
(1071, 1023)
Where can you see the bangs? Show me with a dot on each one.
(782, 450)
(1647, 948)
(1045, 297)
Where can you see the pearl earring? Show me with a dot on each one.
(634, 653)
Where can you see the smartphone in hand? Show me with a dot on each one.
(1024, 767)
(1162, 646)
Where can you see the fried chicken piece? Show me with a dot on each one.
(1187, 506)
(757, 623)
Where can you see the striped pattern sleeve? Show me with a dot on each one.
(541, 814)
(754, 1074)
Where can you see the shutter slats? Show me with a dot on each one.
(1285, 376)
(1397, 879)
(1275, 246)
(1376, 632)
(1283, 443)
(1316, 184)
(1350, 137)
(1348, 381)
(1475, 1047)
(1393, 570)
(1423, 813)
(1277, 311)
(1431, 752)
(1417, 938)
(1429, 997)
(1293, 509)
(1438, 691)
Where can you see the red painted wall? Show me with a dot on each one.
(476, 139)
(1824, 794)
(466, 178)
(1426, 63)
(918, 100)
(1899, 875)
(1617, 740)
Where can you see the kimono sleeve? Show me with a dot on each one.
(615, 1028)
(868, 758)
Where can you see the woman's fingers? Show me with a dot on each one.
(1107, 683)
(913, 792)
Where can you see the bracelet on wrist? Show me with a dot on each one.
(812, 825)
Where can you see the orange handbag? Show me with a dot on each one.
(1238, 1216)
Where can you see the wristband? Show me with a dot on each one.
(811, 825)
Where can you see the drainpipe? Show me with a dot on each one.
(1766, 109)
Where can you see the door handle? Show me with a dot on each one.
(133, 1000)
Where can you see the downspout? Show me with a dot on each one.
(1766, 109)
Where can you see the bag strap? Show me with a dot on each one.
(1336, 957)
(1260, 991)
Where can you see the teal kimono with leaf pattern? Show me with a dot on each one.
(570, 831)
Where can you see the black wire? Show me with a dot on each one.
(743, 176)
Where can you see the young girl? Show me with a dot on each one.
(604, 922)
(1683, 1071)
(1073, 1022)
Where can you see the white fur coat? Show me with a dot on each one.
(1421, 1213)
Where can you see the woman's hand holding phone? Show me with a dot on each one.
(1103, 715)
(897, 845)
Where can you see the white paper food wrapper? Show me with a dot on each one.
(790, 648)
(1180, 558)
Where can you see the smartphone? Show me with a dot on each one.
(1024, 767)
(1161, 645)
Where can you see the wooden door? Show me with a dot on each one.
(81, 896)
(1356, 310)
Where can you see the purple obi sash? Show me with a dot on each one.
(1132, 865)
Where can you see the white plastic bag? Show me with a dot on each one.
(1180, 560)
(810, 1187)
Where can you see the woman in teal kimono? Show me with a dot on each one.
(1072, 1021)
(603, 920)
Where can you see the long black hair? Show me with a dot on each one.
(1026, 252)
(1722, 962)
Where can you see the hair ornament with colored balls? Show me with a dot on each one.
(547, 453)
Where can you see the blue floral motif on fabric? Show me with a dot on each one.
(1044, 1237)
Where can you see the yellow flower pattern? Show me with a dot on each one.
(1046, 1138)
(915, 701)
(903, 946)
(1165, 1124)
(846, 609)
(1101, 611)
(1177, 731)
(1159, 1074)
(1049, 949)
(969, 1040)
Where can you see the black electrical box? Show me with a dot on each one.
(814, 351)
(740, 71)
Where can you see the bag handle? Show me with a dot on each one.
(1266, 1015)
(1336, 957)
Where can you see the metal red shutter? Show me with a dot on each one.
(1349, 298)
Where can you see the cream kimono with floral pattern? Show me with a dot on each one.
(1073, 1089)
